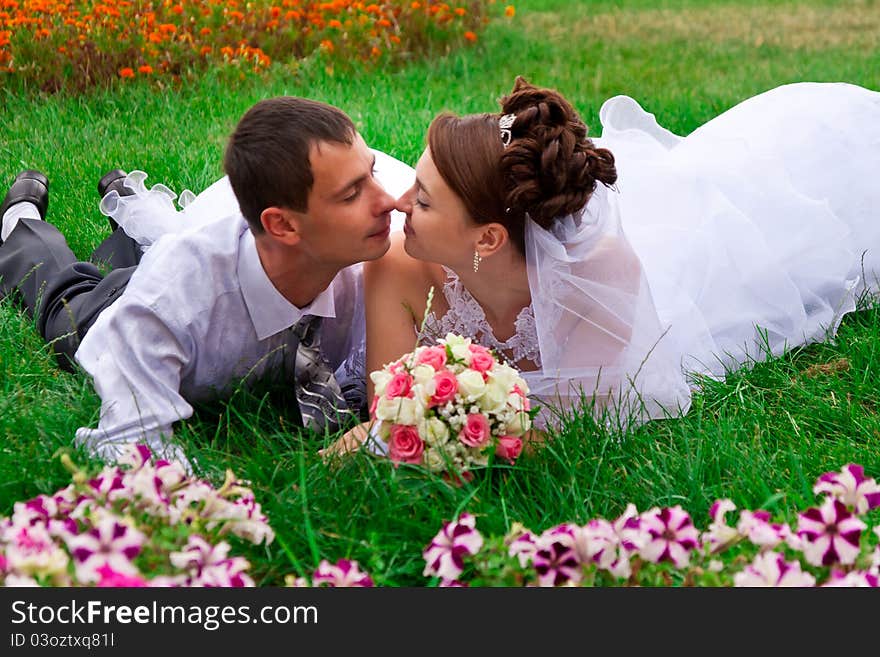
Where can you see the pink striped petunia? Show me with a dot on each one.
(444, 557)
(344, 574)
(671, 536)
(770, 569)
(830, 534)
(859, 493)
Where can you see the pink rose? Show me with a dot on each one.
(399, 386)
(433, 356)
(509, 448)
(445, 387)
(405, 445)
(476, 430)
(481, 358)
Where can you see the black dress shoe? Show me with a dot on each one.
(30, 186)
(112, 180)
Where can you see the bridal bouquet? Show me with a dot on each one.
(449, 407)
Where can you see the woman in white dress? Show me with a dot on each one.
(612, 271)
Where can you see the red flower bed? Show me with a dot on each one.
(80, 43)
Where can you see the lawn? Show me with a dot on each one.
(760, 438)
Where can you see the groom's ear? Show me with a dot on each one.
(282, 224)
(492, 237)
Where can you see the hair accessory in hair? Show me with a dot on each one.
(505, 123)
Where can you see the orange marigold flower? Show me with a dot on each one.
(383, 22)
(177, 9)
(470, 36)
(275, 12)
(236, 15)
(460, 11)
(335, 23)
(168, 28)
(205, 50)
(205, 31)
(327, 45)
(126, 72)
(373, 9)
(146, 69)
(375, 52)
(394, 38)
(416, 5)
(510, 11)
(292, 15)
(226, 51)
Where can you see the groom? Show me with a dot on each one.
(272, 289)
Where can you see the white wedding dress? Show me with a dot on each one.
(753, 234)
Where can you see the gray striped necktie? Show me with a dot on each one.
(321, 403)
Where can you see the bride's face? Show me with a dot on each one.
(438, 227)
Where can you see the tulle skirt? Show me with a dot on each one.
(758, 231)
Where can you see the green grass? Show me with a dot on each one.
(761, 437)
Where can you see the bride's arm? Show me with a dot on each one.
(395, 291)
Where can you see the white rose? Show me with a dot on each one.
(380, 379)
(507, 377)
(423, 393)
(471, 385)
(517, 426)
(495, 396)
(399, 410)
(435, 461)
(459, 346)
(422, 374)
(434, 431)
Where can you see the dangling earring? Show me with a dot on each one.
(477, 261)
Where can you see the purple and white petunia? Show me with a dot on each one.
(556, 561)
(32, 551)
(345, 573)
(444, 556)
(523, 547)
(757, 528)
(109, 542)
(210, 565)
(719, 535)
(770, 569)
(110, 578)
(52, 511)
(854, 578)
(671, 536)
(859, 493)
(831, 534)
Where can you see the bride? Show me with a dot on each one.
(615, 272)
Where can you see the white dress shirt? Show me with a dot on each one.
(198, 318)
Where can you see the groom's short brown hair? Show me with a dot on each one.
(267, 157)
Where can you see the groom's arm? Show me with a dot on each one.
(136, 359)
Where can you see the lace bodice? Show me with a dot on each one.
(466, 317)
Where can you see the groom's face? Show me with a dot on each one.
(348, 217)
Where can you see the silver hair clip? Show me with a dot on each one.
(505, 123)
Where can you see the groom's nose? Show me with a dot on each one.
(384, 203)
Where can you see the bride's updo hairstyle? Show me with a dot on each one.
(548, 168)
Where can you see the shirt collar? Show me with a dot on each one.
(269, 311)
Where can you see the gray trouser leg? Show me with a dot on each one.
(64, 295)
